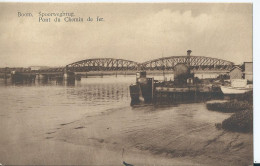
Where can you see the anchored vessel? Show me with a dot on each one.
(184, 86)
(237, 86)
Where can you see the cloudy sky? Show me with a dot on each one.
(137, 32)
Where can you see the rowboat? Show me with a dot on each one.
(235, 90)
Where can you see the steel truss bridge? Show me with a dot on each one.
(109, 64)
(196, 63)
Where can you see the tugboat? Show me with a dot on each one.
(146, 89)
(183, 88)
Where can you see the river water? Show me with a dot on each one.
(29, 111)
(56, 103)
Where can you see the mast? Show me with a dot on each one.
(163, 68)
(188, 59)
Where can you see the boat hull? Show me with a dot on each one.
(234, 90)
(134, 92)
(141, 92)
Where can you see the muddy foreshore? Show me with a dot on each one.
(183, 135)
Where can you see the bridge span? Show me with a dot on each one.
(196, 63)
(112, 66)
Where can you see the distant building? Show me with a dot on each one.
(236, 73)
(248, 73)
(38, 67)
(35, 67)
(206, 75)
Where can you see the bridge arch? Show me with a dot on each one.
(102, 64)
(195, 63)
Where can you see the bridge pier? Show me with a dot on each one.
(78, 77)
(41, 77)
(5, 74)
(69, 76)
(65, 76)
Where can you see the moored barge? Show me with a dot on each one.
(184, 87)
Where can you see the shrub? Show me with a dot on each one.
(248, 96)
(231, 106)
(241, 121)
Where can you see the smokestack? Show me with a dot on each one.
(189, 52)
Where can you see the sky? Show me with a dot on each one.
(132, 31)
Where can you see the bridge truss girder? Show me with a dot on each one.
(195, 63)
(102, 64)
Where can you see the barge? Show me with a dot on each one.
(149, 90)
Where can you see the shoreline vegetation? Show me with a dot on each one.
(242, 118)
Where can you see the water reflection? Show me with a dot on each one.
(101, 92)
(88, 91)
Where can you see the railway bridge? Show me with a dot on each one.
(112, 66)
(197, 64)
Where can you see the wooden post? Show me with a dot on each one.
(5, 76)
(152, 88)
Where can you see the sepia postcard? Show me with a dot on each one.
(126, 84)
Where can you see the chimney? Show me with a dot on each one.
(189, 52)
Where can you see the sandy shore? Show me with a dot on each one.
(184, 135)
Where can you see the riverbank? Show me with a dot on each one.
(142, 135)
(184, 135)
(242, 107)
